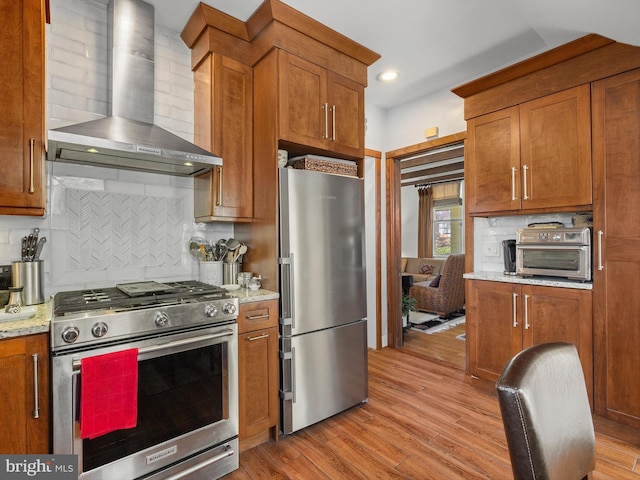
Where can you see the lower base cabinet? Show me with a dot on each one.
(505, 318)
(24, 390)
(258, 372)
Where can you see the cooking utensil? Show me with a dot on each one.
(232, 244)
(41, 242)
(30, 247)
(241, 250)
(24, 249)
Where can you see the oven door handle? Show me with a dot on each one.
(168, 345)
(228, 452)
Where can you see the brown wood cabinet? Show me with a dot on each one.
(504, 318)
(223, 109)
(24, 389)
(616, 158)
(532, 156)
(319, 108)
(299, 66)
(22, 137)
(258, 372)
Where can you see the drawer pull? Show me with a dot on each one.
(600, 234)
(219, 199)
(36, 409)
(257, 317)
(32, 144)
(333, 123)
(259, 337)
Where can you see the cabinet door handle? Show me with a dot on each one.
(515, 310)
(526, 312)
(36, 409)
(32, 145)
(257, 317)
(259, 337)
(513, 183)
(325, 108)
(219, 199)
(524, 182)
(600, 234)
(333, 123)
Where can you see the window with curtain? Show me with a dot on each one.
(448, 228)
(447, 220)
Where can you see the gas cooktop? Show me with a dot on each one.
(130, 296)
(87, 318)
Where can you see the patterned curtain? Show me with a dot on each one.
(425, 223)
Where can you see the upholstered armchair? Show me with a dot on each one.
(448, 295)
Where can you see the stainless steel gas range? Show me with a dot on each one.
(186, 338)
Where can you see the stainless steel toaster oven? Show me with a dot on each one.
(554, 252)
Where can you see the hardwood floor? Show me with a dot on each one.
(423, 421)
(441, 347)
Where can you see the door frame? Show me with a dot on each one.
(393, 164)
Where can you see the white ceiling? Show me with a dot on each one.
(440, 44)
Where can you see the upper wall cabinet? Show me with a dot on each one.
(223, 121)
(533, 156)
(22, 136)
(319, 108)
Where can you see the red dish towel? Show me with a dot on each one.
(108, 393)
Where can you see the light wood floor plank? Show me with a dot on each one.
(423, 421)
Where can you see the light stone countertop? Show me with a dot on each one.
(247, 296)
(543, 281)
(39, 323)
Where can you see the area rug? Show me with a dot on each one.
(430, 323)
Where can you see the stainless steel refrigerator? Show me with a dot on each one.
(323, 325)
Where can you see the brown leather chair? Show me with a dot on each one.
(546, 414)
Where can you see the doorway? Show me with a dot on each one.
(433, 161)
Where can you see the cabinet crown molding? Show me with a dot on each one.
(268, 13)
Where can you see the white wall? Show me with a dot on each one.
(406, 123)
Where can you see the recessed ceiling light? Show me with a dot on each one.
(387, 75)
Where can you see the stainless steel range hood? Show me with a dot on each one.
(127, 138)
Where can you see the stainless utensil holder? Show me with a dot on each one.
(230, 272)
(29, 276)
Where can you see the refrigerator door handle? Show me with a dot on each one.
(290, 357)
(286, 290)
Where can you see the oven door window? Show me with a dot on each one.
(552, 259)
(177, 394)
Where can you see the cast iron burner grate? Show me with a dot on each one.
(115, 299)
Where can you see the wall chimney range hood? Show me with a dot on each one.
(127, 138)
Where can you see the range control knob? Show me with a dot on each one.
(210, 310)
(99, 329)
(229, 308)
(161, 319)
(70, 334)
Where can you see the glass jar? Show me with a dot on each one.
(255, 283)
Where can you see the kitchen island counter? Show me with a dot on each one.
(39, 323)
(543, 281)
